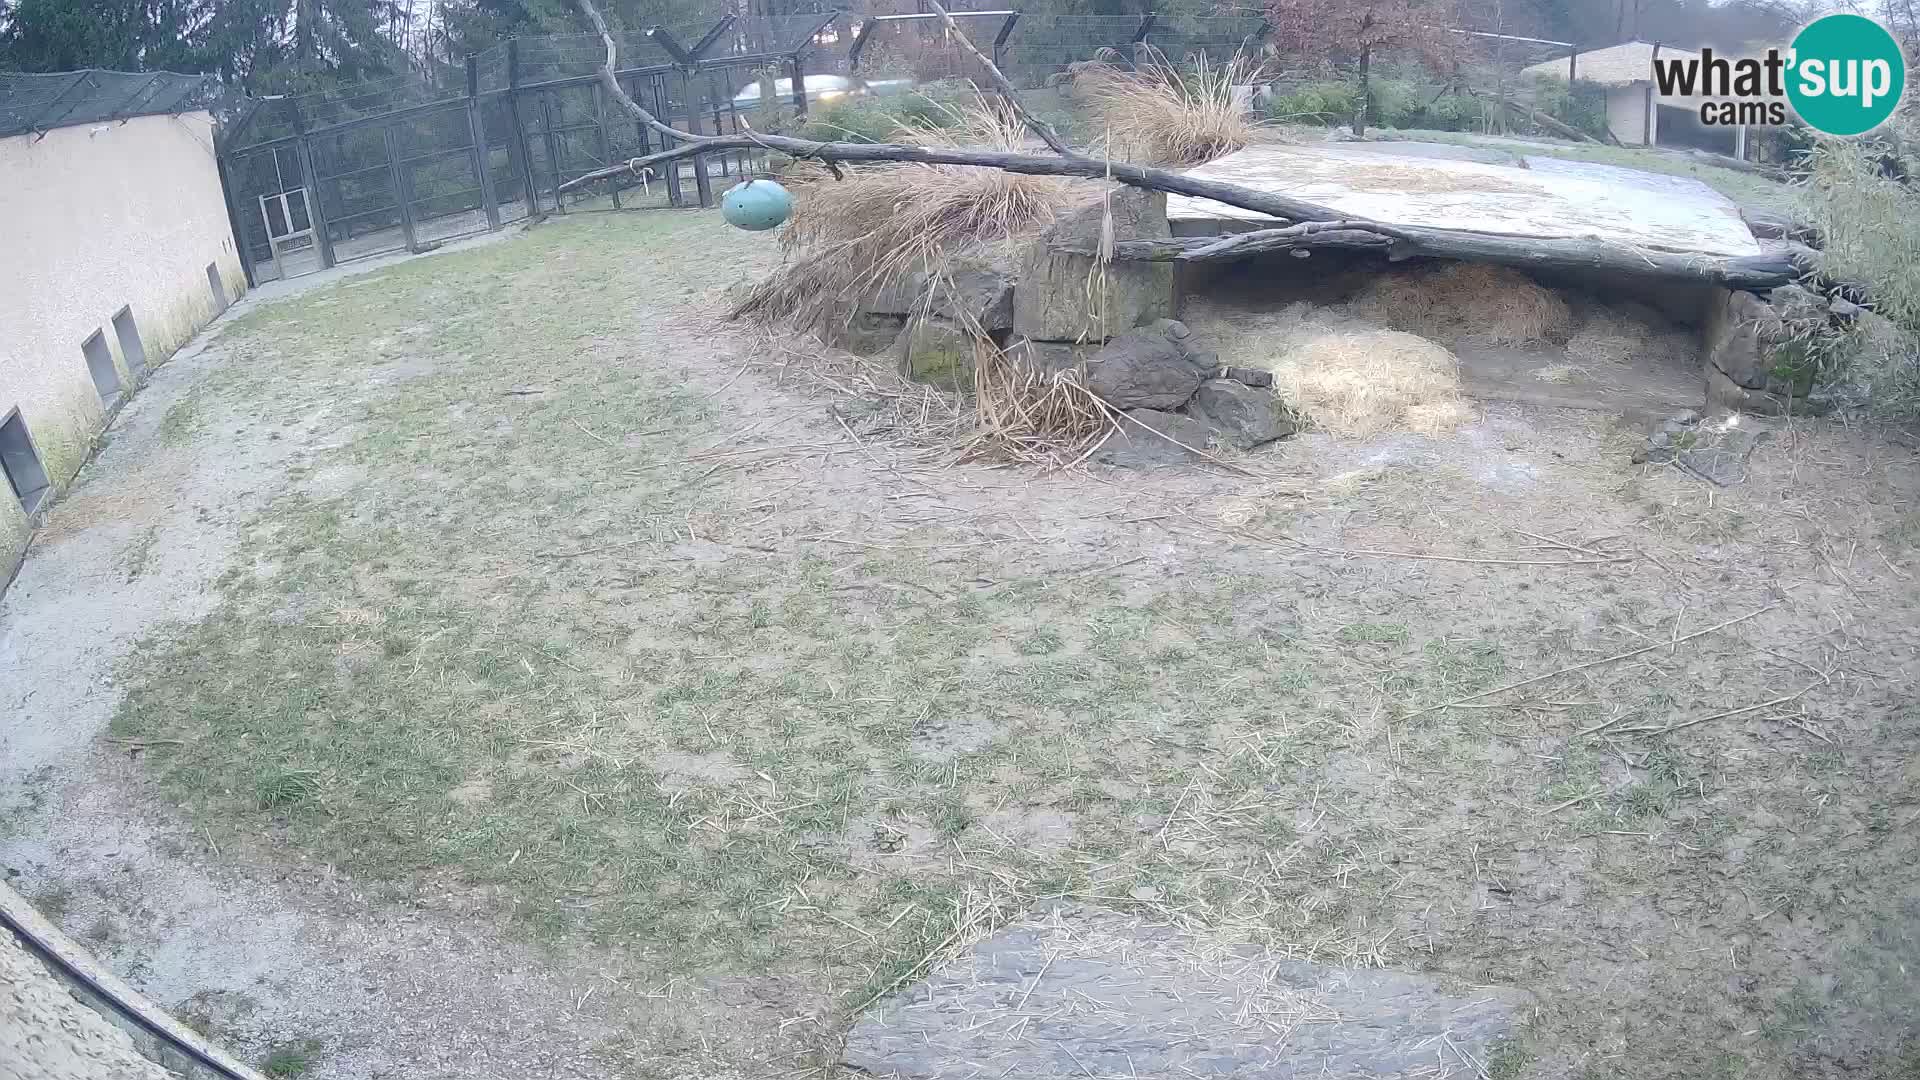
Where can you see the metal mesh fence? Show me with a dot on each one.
(32, 103)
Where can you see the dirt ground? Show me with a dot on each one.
(495, 665)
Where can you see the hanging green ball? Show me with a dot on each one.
(756, 205)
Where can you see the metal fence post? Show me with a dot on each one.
(400, 192)
(316, 213)
(517, 141)
(553, 150)
(606, 145)
(482, 169)
(702, 183)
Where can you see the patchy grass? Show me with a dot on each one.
(292, 1060)
(555, 625)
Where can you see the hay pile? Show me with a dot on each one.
(884, 222)
(1157, 113)
(1343, 376)
(1612, 334)
(1461, 300)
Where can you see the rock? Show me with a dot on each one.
(1715, 450)
(972, 286)
(1051, 301)
(1049, 357)
(1844, 308)
(1132, 448)
(1098, 993)
(1208, 362)
(935, 350)
(1795, 303)
(1243, 416)
(867, 332)
(1736, 339)
(1143, 369)
(1247, 375)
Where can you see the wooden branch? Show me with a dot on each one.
(1035, 124)
(1261, 202)
(1520, 252)
(612, 83)
(1542, 119)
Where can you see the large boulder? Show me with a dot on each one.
(1756, 349)
(968, 287)
(1145, 369)
(1243, 416)
(1053, 300)
(1049, 357)
(1149, 437)
(935, 350)
(867, 332)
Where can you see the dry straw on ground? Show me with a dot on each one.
(884, 222)
(1342, 375)
(1461, 300)
(1155, 112)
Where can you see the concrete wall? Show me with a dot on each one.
(94, 218)
(1627, 113)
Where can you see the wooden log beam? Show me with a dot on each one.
(1535, 253)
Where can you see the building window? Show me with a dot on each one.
(21, 464)
(132, 350)
(106, 377)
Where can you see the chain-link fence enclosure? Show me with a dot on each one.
(37, 103)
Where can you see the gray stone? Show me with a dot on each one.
(1247, 375)
(935, 350)
(1052, 301)
(1243, 416)
(1207, 361)
(1795, 303)
(1079, 991)
(1715, 450)
(1131, 447)
(1843, 307)
(867, 332)
(1737, 339)
(974, 287)
(1143, 369)
(1049, 357)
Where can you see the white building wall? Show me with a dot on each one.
(94, 218)
(1627, 114)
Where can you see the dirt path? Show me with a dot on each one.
(516, 672)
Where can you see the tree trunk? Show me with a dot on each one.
(1360, 109)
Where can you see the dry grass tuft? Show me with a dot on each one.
(1340, 374)
(1159, 114)
(1462, 300)
(884, 222)
(1024, 415)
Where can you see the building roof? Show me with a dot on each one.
(1617, 65)
(33, 103)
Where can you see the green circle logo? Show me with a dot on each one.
(1845, 74)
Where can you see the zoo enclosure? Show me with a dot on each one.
(409, 162)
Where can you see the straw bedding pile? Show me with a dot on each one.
(1340, 374)
(1462, 300)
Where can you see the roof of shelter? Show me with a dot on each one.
(35, 103)
(1616, 65)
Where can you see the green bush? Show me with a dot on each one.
(1581, 106)
(1871, 229)
(1314, 103)
(877, 119)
